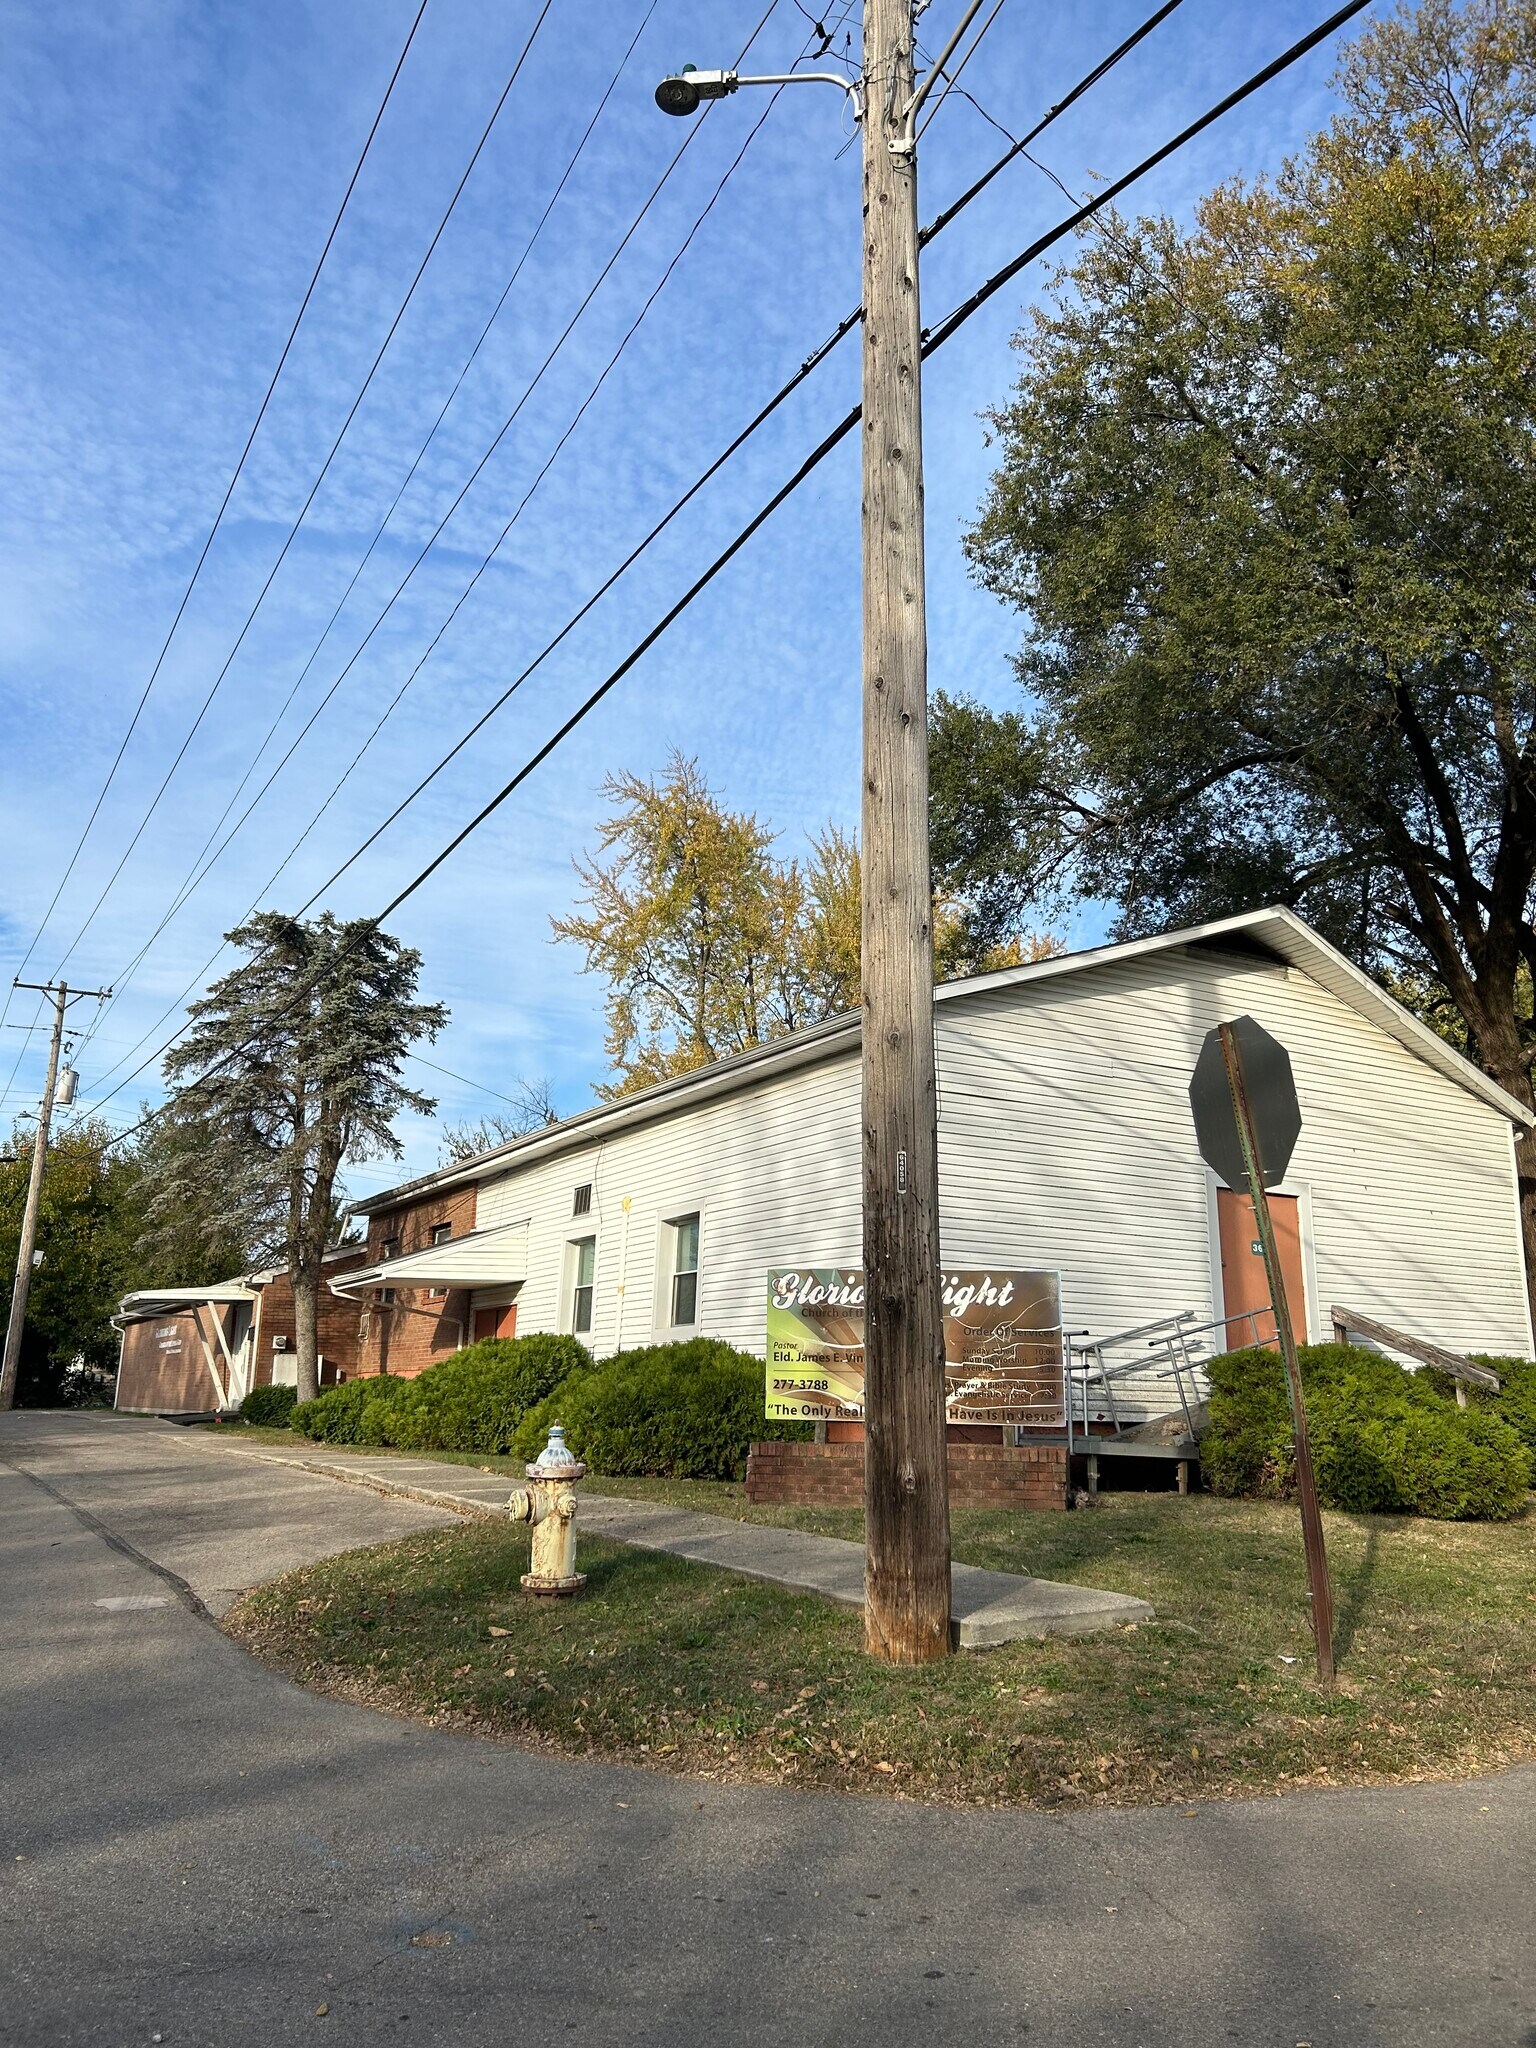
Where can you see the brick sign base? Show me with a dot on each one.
(980, 1475)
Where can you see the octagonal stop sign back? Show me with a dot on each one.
(1272, 1104)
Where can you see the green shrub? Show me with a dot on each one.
(1515, 1401)
(475, 1399)
(674, 1411)
(1384, 1440)
(270, 1405)
(353, 1413)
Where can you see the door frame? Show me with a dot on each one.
(477, 1308)
(1301, 1190)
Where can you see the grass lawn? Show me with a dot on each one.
(690, 1669)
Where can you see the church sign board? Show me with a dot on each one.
(1002, 1346)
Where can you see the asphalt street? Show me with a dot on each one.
(196, 1851)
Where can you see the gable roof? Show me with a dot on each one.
(1276, 932)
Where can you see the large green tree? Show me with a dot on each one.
(1266, 498)
(290, 1069)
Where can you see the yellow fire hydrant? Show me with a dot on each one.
(548, 1502)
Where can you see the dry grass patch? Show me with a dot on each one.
(690, 1669)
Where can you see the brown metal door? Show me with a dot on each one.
(1244, 1285)
(496, 1322)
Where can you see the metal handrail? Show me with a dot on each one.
(1177, 1351)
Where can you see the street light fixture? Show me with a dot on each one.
(683, 92)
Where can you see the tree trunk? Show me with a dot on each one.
(305, 1305)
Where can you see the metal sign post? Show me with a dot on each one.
(1306, 1484)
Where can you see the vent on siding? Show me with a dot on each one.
(582, 1204)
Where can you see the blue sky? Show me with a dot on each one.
(169, 173)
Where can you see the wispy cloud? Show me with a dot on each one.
(169, 177)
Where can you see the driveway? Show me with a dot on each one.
(196, 1851)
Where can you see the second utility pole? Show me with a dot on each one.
(906, 1481)
(17, 1320)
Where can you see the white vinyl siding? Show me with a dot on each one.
(1065, 1141)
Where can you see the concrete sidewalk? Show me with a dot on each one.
(988, 1607)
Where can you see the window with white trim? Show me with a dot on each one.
(684, 1302)
(440, 1233)
(583, 1271)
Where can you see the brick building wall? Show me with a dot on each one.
(336, 1324)
(415, 1329)
(980, 1475)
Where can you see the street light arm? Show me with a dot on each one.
(847, 85)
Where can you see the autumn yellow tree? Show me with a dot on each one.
(709, 942)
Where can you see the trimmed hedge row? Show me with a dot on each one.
(1384, 1440)
(472, 1400)
(670, 1411)
(677, 1411)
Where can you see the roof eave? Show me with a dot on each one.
(1292, 938)
(721, 1077)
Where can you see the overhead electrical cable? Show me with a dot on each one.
(506, 425)
(223, 503)
(933, 340)
(201, 864)
(810, 363)
(314, 491)
(25, 1048)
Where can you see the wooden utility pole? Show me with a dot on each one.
(906, 1489)
(61, 997)
(1306, 1483)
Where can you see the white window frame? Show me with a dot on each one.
(668, 1223)
(571, 1284)
(438, 1233)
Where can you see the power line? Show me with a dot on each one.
(810, 363)
(314, 491)
(1085, 84)
(485, 458)
(198, 870)
(480, 1087)
(443, 522)
(994, 284)
(223, 503)
(934, 339)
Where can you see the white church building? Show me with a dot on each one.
(1065, 1143)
